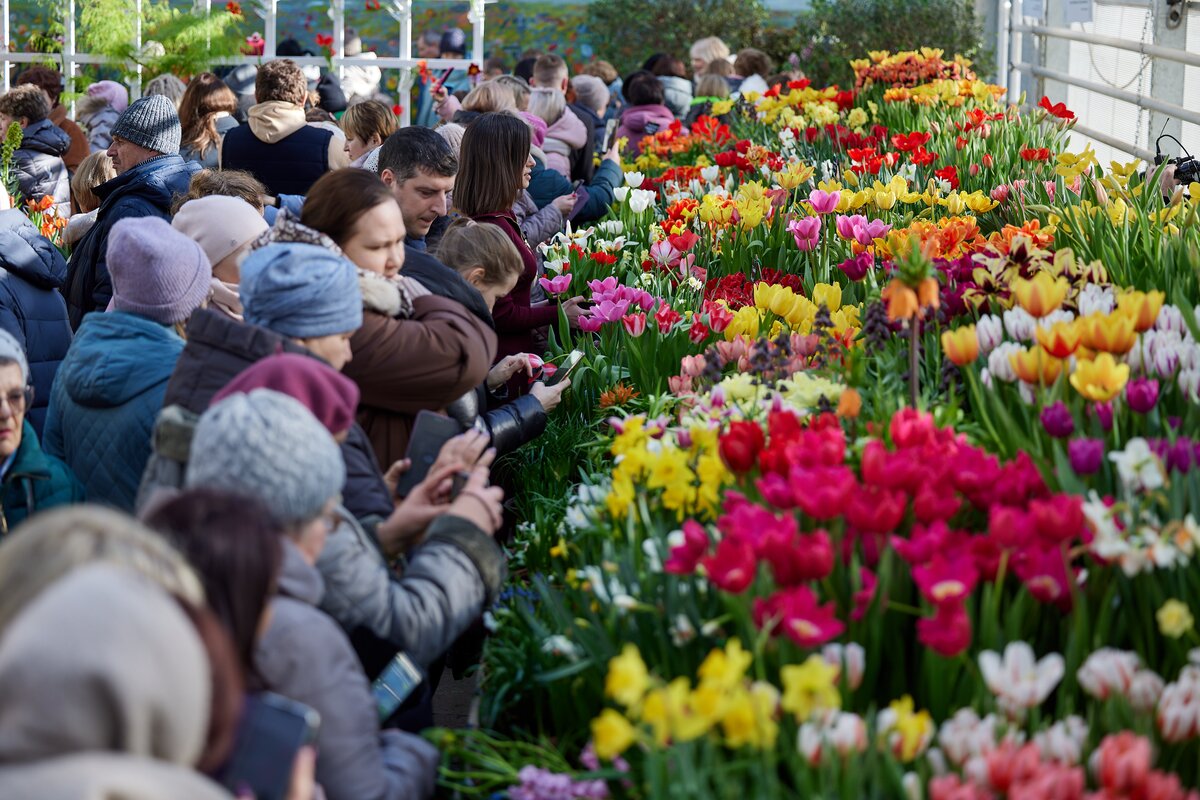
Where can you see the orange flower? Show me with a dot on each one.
(1041, 294)
(617, 395)
(902, 301)
(1035, 365)
(1141, 307)
(927, 293)
(850, 404)
(1059, 340)
(961, 346)
(1108, 333)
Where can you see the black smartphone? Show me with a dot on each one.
(272, 730)
(395, 684)
(429, 433)
(563, 371)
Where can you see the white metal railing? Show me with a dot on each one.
(399, 10)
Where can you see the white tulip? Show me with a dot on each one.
(634, 179)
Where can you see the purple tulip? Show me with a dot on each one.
(1087, 455)
(1103, 412)
(589, 324)
(1141, 394)
(1180, 456)
(856, 268)
(806, 232)
(866, 233)
(1057, 420)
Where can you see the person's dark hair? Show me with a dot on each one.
(48, 80)
(669, 66)
(26, 101)
(752, 62)
(495, 64)
(228, 687)
(338, 199)
(316, 114)
(291, 47)
(494, 150)
(415, 148)
(280, 79)
(652, 62)
(642, 88)
(206, 96)
(227, 182)
(234, 548)
(524, 68)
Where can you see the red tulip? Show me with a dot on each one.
(799, 616)
(685, 557)
(634, 324)
(741, 444)
(864, 596)
(822, 492)
(946, 580)
(875, 510)
(795, 557)
(948, 631)
(666, 318)
(732, 567)
(698, 332)
(1058, 519)
(1045, 575)
(935, 502)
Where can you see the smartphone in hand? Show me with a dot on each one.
(568, 366)
(272, 731)
(429, 433)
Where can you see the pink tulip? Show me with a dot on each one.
(664, 254)
(590, 324)
(556, 285)
(1000, 193)
(866, 233)
(634, 324)
(824, 202)
(847, 224)
(806, 232)
(608, 311)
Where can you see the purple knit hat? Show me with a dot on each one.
(537, 127)
(157, 272)
(116, 94)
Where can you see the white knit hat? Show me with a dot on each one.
(219, 224)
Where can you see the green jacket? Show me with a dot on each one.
(34, 482)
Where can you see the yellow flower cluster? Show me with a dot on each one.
(752, 204)
(800, 108)
(904, 730)
(948, 92)
(778, 308)
(687, 480)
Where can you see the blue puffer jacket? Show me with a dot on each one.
(106, 397)
(31, 308)
(39, 164)
(546, 184)
(147, 190)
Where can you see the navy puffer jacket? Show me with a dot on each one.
(39, 165)
(31, 308)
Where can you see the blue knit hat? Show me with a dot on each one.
(300, 290)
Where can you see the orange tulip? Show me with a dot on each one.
(1141, 307)
(1041, 294)
(901, 301)
(1108, 333)
(961, 346)
(850, 404)
(1035, 365)
(1059, 340)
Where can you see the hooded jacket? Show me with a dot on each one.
(40, 169)
(104, 694)
(566, 135)
(79, 142)
(537, 225)
(218, 349)
(104, 402)
(677, 94)
(403, 366)
(304, 655)
(638, 122)
(280, 148)
(32, 272)
(147, 190)
(34, 482)
(98, 117)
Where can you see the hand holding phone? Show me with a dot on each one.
(271, 734)
(430, 432)
(566, 368)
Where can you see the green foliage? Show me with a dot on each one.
(12, 140)
(176, 41)
(625, 32)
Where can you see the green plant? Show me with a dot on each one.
(12, 140)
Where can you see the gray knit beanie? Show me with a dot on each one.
(157, 272)
(270, 447)
(150, 122)
(11, 350)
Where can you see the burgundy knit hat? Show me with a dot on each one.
(328, 394)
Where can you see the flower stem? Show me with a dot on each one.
(914, 333)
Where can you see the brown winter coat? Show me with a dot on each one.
(79, 141)
(403, 366)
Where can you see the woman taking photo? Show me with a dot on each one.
(205, 113)
(493, 169)
(415, 351)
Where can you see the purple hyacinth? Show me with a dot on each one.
(1087, 455)
(1141, 394)
(1057, 420)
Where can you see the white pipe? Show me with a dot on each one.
(1015, 42)
(1002, 41)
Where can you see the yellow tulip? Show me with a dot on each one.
(1041, 294)
(627, 678)
(1100, 380)
(1059, 340)
(829, 295)
(611, 734)
(961, 345)
(954, 204)
(1108, 333)
(1035, 365)
(885, 200)
(1141, 307)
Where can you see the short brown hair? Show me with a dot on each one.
(752, 62)
(95, 169)
(492, 159)
(280, 79)
(549, 69)
(711, 85)
(338, 199)
(26, 101)
(48, 80)
(369, 118)
(519, 86)
(226, 182)
(467, 245)
(719, 67)
(602, 70)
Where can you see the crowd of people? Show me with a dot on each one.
(264, 298)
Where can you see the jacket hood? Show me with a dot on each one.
(636, 118)
(116, 357)
(27, 254)
(391, 298)
(569, 130)
(275, 120)
(105, 776)
(103, 660)
(157, 180)
(298, 579)
(46, 137)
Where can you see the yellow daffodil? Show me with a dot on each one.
(612, 734)
(1041, 294)
(809, 687)
(725, 668)
(627, 678)
(749, 720)
(1100, 379)
(961, 345)
(912, 729)
(1174, 619)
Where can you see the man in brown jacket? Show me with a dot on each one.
(50, 81)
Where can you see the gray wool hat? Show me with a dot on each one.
(151, 122)
(11, 350)
(267, 445)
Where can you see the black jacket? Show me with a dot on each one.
(218, 348)
(39, 165)
(510, 425)
(147, 190)
(582, 162)
(444, 282)
(32, 272)
(288, 166)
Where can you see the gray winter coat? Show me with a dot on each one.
(304, 655)
(677, 94)
(536, 225)
(40, 169)
(448, 582)
(99, 124)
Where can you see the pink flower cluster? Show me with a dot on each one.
(612, 301)
(857, 228)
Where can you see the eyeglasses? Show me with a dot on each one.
(16, 401)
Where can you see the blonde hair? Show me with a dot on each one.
(549, 104)
(490, 96)
(709, 49)
(519, 86)
(468, 245)
(712, 86)
(52, 544)
(95, 169)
